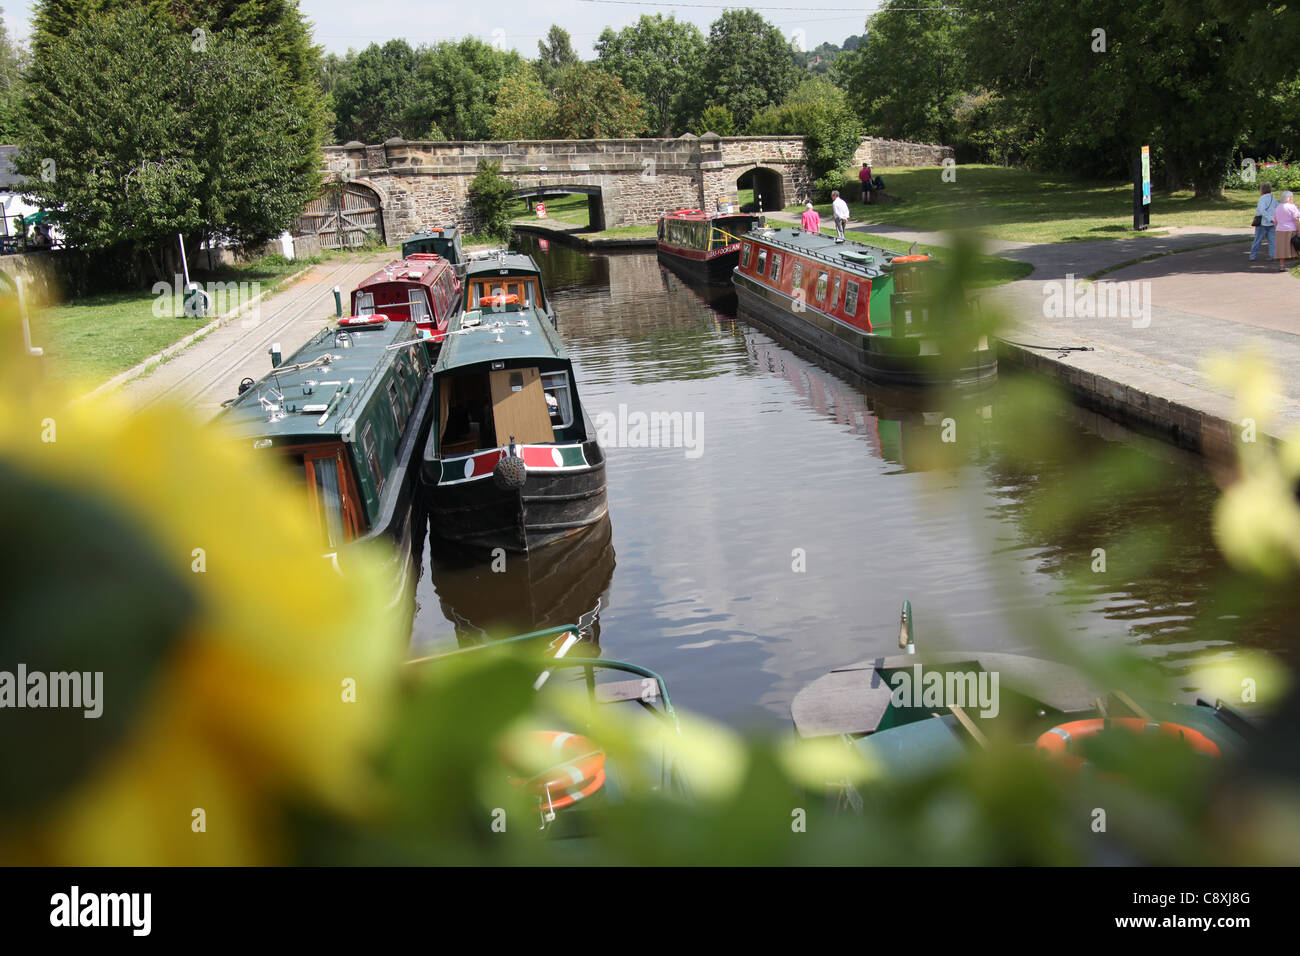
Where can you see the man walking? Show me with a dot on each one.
(840, 210)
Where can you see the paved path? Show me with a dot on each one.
(208, 372)
(1202, 302)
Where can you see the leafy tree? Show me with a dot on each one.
(591, 103)
(525, 109)
(490, 196)
(131, 135)
(656, 58)
(746, 65)
(11, 89)
(818, 111)
(374, 97)
(457, 89)
(555, 54)
(717, 119)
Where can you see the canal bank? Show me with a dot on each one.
(575, 236)
(1126, 326)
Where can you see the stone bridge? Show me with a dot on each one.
(628, 181)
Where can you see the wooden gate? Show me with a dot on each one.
(343, 215)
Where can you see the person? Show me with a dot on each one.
(1286, 219)
(811, 220)
(864, 177)
(1265, 227)
(840, 210)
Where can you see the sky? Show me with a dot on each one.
(519, 24)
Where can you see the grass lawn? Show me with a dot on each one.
(89, 340)
(1018, 204)
(570, 209)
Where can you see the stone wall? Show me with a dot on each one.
(895, 152)
(43, 275)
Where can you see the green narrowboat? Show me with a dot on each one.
(443, 242)
(512, 459)
(868, 309)
(348, 413)
(510, 277)
(908, 713)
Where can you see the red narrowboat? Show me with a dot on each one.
(702, 246)
(422, 288)
(868, 309)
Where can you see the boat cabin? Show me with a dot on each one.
(345, 413)
(422, 288)
(698, 234)
(501, 276)
(443, 242)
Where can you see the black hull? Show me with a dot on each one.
(552, 505)
(876, 358)
(708, 272)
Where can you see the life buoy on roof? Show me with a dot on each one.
(354, 321)
(1059, 741)
(579, 770)
(501, 299)
(910, 258)
(427, 256)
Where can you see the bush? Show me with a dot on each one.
(491, 196)
(1278, 173)
(717, 119)
(833, 180)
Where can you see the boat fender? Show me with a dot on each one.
(510, 473)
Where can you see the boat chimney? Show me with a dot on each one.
(275, 355)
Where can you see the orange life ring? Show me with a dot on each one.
(910, 258)
(377, 318)
(425, 256)
(499, 300)
(1058, 740)
(686, 212)
(579, 774)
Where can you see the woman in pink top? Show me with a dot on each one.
(1287, 219)
(811, 222)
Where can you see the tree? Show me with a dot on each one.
(555, 54)
(457, 89)
(717, 119)
(819, 112)
(746, 65)
(132, 136)
(374, 97)
(524, 109)
(11, 88)
(591, 103)
(656, 58)
(490, 196)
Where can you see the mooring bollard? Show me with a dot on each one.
(275, 355)
(338, 303)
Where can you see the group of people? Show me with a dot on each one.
(811, 221)
(1277, 222)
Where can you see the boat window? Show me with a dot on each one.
(416, 300)
(851, 298)
(823, 280)
(796, 274)
(372, 456)
(365, 303)
(325, 473)
(835, 293)
(761, 266)
(776, 267)
(744, 255)
(395, 404)
(559, 400)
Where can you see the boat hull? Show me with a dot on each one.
(877, 358)
(550, 506)
(715, 271)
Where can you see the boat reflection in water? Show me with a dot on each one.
(488, 596)
(915, 428)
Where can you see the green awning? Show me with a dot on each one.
(39, 216)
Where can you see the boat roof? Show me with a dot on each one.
(855, 698)
(492, 262)
(442, 232)
(313, 375)
(485, 335)
(701, 215)
(421, 267)
(861, 258)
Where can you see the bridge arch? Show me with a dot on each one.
(595, 198)
(769, 185)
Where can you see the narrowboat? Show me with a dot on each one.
(512, 459)
(560, 764)
(908, 713)
(701, 246)
(422, 288)
(496, 273)
(868, 309)
(348, 414)
(443, 242)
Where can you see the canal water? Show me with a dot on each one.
(781, 534)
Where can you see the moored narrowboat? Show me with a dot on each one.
(512, 459)
(443, 242)
(701, 246)
(502, 274)
(422, 288)
(348, 413)
(868, 309)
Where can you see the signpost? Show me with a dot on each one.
(541, 210)
(1142, 190)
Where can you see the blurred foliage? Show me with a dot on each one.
(223, 685)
